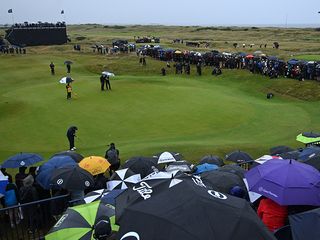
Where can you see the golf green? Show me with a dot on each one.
(145, 113)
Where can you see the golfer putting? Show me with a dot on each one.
(71, 134)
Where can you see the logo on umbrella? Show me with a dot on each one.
(59, 181)
(198, 181)
(217, 194)
(87, 183)
(60, 221)
(22, 163)
(261, 189)
(131, 234)
(145, 190)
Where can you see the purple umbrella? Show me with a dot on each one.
(287, 182)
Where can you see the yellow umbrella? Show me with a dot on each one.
(94, 164)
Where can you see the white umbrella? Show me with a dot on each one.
(66, 80)
(110, 74)
(123, 178)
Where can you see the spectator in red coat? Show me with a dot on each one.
(272, 214)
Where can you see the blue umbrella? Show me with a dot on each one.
(46, 170)
(22, 160)
(205, 167)
(308, 153)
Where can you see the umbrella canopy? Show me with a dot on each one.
(140, 165)
(123, 178)
(280, 149)
(238, 157)
(233, 168)
(21, 160)
(308, 137)
(212, 159)
(205, 167)
(263, 159)
(313, 161)
(104, 195)
(95, 164)
(153, 184)
(290, 155)
(68, 62)
(308, 153)
(222, 181)
(106, 73)
(189, 211)
(79, 222)
(182, 166)
(45, 171)
(166, 157)
(66, 80)
(249, 56)
(305, 225)
(286, 182)
(74, 155)
(72, 178)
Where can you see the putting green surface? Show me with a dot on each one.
(145, 113)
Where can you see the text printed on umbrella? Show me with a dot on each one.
(261, 189)
(144, 190)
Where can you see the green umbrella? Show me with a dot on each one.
(78, 222)
(308, 137)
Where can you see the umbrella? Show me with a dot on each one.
(290, 155)
(123, 178)
(313, 161)
(258, 53)
(3, 184)
(166, 157)
(79, 222)
(222, 181)
(249, 56)
(74, 155)
(238, 157)
(190, 211)
(149, 186)
(293, 61)
(106, 73)
(308, 137)
(212, 159)
(205, 167)
(182, 166)
(263, 159)
(94, 164)
(104, 195)
(72, 178)
(280, 149)
(308, 153)
(66, 80)
(305, 225)
(273, 58)
(45, 171)
(286, 182)
(68, 62)
(233, 168)
(21, 160)
(140, 165)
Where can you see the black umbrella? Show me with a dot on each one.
(72, 178)
(280, 149)
(313, 161)
(190, 211)
(153, 184)
(212, 159)
(75, 156)
(222, 181)
(290, 155)
(233, 168)
(68, 62)
(140, 165)
(238, 157)
(305, 225)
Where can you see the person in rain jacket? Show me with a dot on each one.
(71, 134)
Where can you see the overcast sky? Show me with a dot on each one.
(167, 12)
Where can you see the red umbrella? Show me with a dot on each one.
(249, 56)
